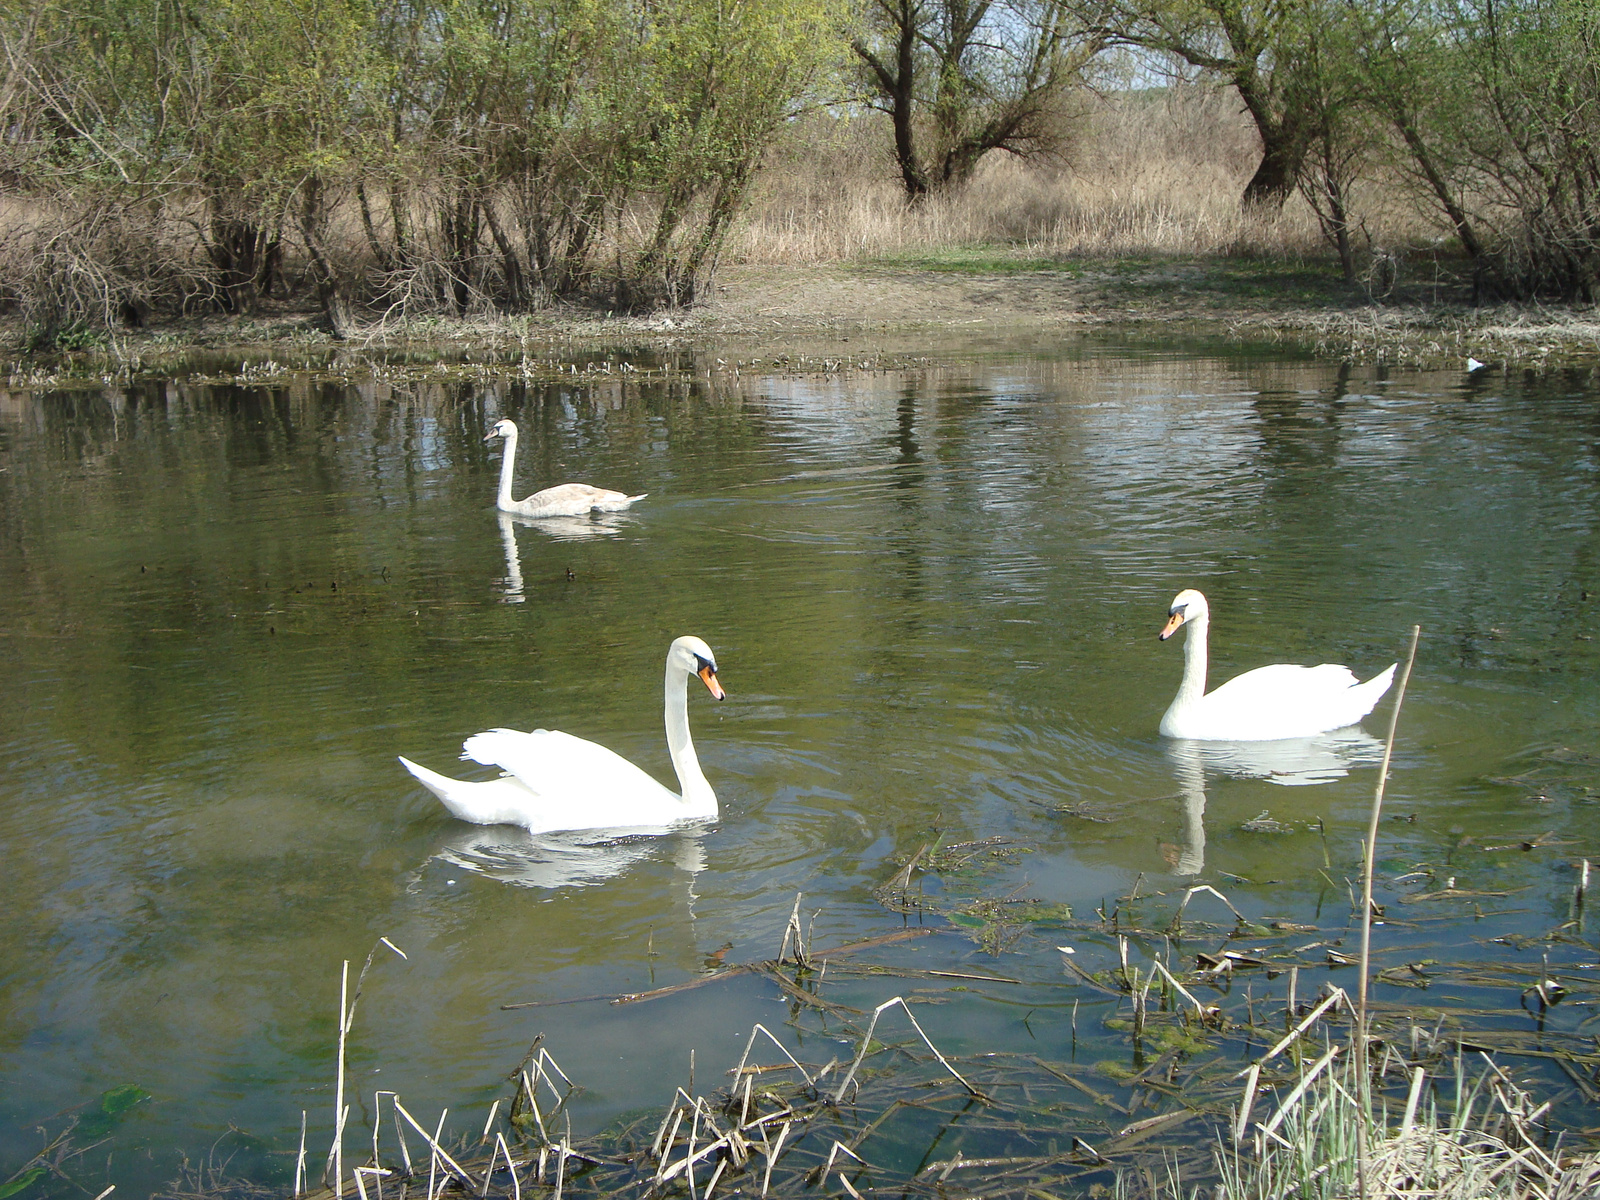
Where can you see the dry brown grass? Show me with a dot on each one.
(1146, 173)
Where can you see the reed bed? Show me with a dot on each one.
(1240, 1073)
(1144, 173)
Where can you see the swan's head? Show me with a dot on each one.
(505, 429)
(1187, 605)
(694, 657)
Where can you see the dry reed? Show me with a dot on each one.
(1153, 173)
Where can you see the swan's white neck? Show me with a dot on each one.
(697, 792)
(1193, 686)
(508, 462)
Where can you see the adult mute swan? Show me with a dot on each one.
(563, 500)
(556, 781)
(1280, 701)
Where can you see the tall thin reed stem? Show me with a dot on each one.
(338, 1096)
(1360, 1038)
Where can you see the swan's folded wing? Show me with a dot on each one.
(559, 768)
(578, 496)
(1269, 685)
(1284, 700)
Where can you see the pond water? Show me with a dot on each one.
(933, 591)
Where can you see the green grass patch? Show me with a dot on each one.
(1299, 281)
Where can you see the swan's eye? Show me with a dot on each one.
(705, 665)
(1176, 610)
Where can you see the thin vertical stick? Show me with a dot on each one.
(399, 1132)
(1366, 914)
(1580, 892)
(377, 1124)
(433, 1159)
(338, 1095)
(300, 1162)
(516, 1184)
(533, 1103)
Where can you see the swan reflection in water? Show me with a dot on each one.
(560, 529)
(573, 859)
(1291, 762)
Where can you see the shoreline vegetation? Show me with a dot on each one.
(881, 314)
(627, 205)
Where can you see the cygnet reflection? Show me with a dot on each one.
(572, 529)
(513, 581)
(560, 529)
(1291, 762)
(580, 858)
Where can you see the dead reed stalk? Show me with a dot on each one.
(1368, 858)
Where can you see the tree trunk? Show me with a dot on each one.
(402, 240)
(905, 152)
(516, 290)
(897, 88)
(379, 253)
(1441, 190)
(460, 221)
(236, 248)
(1285, 139)
(1279, 170)
(332, 293)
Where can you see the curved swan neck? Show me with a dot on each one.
(680, 745)
(1193, 686)
(508, 462)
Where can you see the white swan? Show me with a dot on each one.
(563, 500)
(556, 781)
(1280, 701)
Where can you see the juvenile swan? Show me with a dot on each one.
(563, 500)
(556, 781)
(1280, 701)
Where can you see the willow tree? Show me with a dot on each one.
(287, 124)
(1496, 106)
(569, 146)
(719, 82)
(527, 148)
(248, 109)
(94, 141)
(1269, 51)
(959, 78)
(484, 105)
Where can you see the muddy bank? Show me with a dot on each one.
(818, 315)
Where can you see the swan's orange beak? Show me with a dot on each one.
(708, 676)
(1171, 626)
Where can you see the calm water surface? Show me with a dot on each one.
(933, 594)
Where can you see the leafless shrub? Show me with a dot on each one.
(83, 271)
